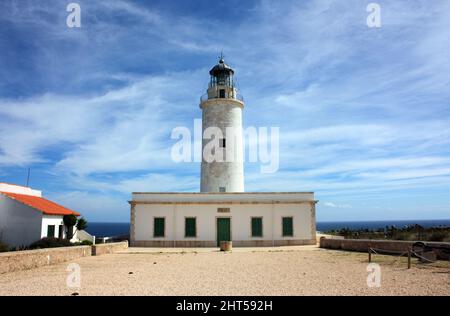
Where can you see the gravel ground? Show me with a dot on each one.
(271, 272)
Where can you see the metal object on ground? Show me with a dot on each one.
(428, 257)
(426, 252)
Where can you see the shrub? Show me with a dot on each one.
(83, 243)
(3, 247)
(411, 233)
(50, 242)
(437, 236)
(401, 236)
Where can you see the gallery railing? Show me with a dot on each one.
(237, 96)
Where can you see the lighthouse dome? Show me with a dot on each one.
(221, 68)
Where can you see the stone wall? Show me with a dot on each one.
(319, 236)
(102, 249)
(29, 259)
(362, 245)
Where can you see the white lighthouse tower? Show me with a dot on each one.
(222, 115)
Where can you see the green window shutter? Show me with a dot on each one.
(51, 231)
(288, 229)
(257, 227)
(190, 227)
(159, 225)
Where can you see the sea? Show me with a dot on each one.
(103, 229)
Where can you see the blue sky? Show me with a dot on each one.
(363, 112)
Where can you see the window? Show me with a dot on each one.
(222, 189)
(257, 230)
(159, 227)
(222, 143)
(288, 229)
(51, 231)
(222, 93)
(190, 227)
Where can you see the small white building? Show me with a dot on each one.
(205, 219)
(222, 211)
(25, 216)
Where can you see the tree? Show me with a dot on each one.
(81, 224)
(69, 221)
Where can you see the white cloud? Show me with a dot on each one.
(124, 130)
(333, 205)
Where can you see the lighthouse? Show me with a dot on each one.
(222, 168)
(222, 212)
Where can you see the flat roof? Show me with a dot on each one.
(222, 197)
(223, 193)
(19, 189)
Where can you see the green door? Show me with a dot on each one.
(223, 230)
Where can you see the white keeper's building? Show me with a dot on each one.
(26, 217)
(222, 211)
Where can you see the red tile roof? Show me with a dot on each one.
(45, 206)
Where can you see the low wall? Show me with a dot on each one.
(320, 236)
(362, 245)
(102, 249)
(29, 259)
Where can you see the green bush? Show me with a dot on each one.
(438, 236)
(83, 243)
(407, 233)
(50, 242)
(401, 236)
(3, 247)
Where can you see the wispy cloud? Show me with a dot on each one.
(333, 205)
(363, 113)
